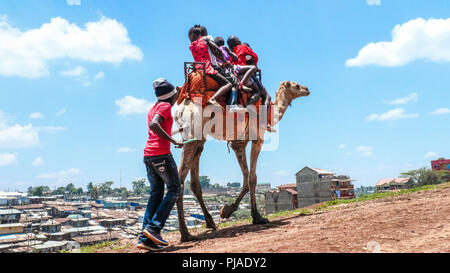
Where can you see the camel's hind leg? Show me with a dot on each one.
(196, 187)
(183, 170)
(239, 149)
(252, 181)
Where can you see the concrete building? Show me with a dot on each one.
(391, 184)
(263, 187)
(342, 188)
(313, 186)
(440, 164)
(283, 199)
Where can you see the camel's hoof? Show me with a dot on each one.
(188, 238)
(211, 225)
(260, 221)
(226, 211)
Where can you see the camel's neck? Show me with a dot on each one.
(282, 100)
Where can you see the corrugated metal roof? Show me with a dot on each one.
(9, 211)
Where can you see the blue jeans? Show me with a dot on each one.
(161, 170)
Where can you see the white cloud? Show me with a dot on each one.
(36, 115)
(78, 71)
(100, 76)
(27, 53)
(62, 176)
(441, 111)
(374, 2)
(22, 136)
(73, 2)
(365, 150)
(130, 105)
(126, 150)
(414, 40)
(431, 154)
(18, 136)
(398, 113)
(341, 146)
(405, 100)
(39, 161)
(61, 112)
(7, 159)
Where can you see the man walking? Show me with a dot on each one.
(161, 167)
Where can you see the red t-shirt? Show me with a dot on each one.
(200, 52)
(242, 51)
(155, 144)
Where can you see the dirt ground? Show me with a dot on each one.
(417, 222)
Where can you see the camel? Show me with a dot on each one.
(191, 153)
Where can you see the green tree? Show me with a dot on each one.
(59, 191)
(89, 187)
(70, 188)
(139, 186)
(105, 188)
(79, 191)
(426, 176)
(205, 182)
(94, 193)
(40, 191)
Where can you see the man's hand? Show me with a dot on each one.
(178, 145)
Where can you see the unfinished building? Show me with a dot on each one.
(282, 199)
(316, 186)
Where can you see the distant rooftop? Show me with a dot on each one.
(390, 180)
(9, 211)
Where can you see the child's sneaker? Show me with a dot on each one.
(236, 108)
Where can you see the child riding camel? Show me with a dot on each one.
(245, 56)
(206, 51)
(246, 71)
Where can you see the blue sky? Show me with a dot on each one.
(76, 83)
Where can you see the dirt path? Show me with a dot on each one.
(417, 222)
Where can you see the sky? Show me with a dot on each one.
(76, 85)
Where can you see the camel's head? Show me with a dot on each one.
(294, 90)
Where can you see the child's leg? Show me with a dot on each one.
(247, 71)
(225, 86)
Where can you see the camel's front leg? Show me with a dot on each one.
(196, 187)
(185, 165)
(252, 181)
(239, 149)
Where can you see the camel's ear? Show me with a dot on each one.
(287, 83)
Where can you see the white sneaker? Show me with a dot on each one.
(235, 108)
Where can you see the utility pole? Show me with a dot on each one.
(120, 183)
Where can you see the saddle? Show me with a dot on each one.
(200, 85)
